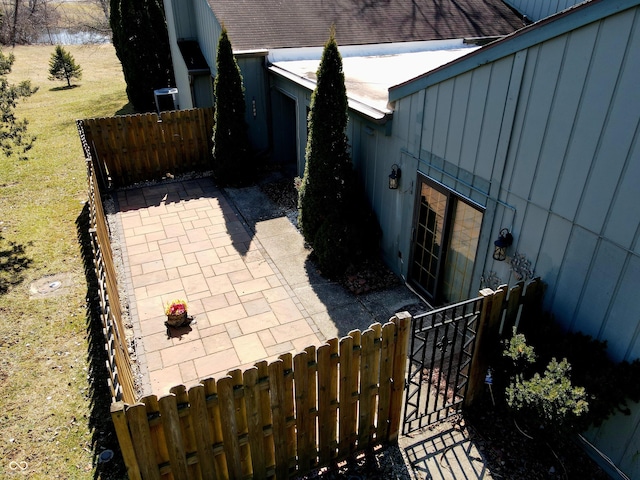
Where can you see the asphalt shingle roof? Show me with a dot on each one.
(256, 24)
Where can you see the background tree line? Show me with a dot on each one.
(137, 27)
(23, 22)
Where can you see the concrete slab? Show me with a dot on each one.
(446, 452)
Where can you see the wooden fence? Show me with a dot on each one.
(127, 149)
(279, 420)
(121, 380)
(502, 310)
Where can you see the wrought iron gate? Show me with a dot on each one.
(440, 354)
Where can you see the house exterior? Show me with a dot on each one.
(541, 131)
(536, 134)
(257, 27)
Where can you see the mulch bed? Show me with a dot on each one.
(513, 452)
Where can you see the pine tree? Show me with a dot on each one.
(13, 132)
(63, 66)
(232, 164)
(141, 41)
(334, 215)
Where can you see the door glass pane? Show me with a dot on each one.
(429, 235)
(465, 232)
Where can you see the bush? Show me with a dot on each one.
(536, 385)
(549, 400)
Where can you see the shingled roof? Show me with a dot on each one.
(258, 24)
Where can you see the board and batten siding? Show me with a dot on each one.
(255, 81)
(208, 30)
(373, 153)
(555, 131)
(191, 20)
(539, 9)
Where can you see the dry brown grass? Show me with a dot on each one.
(48, 422)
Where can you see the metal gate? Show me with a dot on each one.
(440, 354)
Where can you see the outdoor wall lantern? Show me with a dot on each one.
(504, 240)
(394, 177)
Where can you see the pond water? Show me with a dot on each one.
(68, 37)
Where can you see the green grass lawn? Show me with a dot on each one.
(49, 396)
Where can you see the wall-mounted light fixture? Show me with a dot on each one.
(505, 239)
(394, 177)
(254, 108)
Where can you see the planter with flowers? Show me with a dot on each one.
(176, 311)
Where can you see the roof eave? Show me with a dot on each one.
(373, 114)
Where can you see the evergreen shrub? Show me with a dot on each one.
(232, 163)
(334, 216)
(583, 389)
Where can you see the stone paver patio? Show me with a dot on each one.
(247, 282)
(253, 295)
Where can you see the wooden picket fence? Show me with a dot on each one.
(121, 381)
(127, 149)
(276, 420)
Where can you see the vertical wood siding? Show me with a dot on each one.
(568, 186)
(571, 163)
(208, 31)
(179, 15)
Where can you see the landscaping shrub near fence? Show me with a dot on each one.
(279, 419)
(128, 149)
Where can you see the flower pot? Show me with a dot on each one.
(177, 320)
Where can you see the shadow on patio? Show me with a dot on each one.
(245, 273)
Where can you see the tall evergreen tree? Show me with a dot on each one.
(328, 163)
(141, 41)
(232, 163)
(334, 215)
(62, 66)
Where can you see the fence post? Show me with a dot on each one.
(486, 335)
(124, 440)
(403, 327)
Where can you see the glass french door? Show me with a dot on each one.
(445, 240)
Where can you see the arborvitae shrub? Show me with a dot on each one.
(232, 163)
(334, 216)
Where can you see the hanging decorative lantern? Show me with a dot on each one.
(501, 244)
(394, 177)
